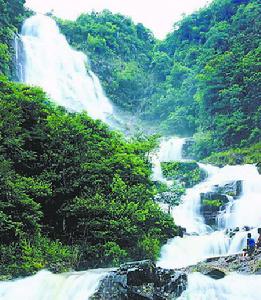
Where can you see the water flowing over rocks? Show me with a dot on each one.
(219, 267)
(18, 58)
(141, 280)
(233, 188)
(212, 203)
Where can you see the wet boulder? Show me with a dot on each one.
(215, 273)
(215, 201)
(233, 188)
(211, 204)
(141, 280)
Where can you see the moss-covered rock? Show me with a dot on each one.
(211, 203)
(215, 201)
(187, 172)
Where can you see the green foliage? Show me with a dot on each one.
(203, 79)
(35, 253)
(219, 47)
(114, 253)
(171, 195)
(177, 190)
(69, 178)
(251, 155)
(214, 203)
(12, 14)
(149, 247)
(188, 173)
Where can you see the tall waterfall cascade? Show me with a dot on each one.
(49, 62)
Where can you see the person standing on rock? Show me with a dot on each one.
(250, 244)
(258, 243)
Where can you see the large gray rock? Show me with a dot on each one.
(141, 281)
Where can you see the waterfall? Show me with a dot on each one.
(170, 149)
(49, 62)
(232, 287)
(47, 286)
(18, 58)
(202, 241)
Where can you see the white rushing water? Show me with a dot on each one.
(232, 287)
(202, 241)
(49, 62)
(47, 286)
(246, 211)
(170, 149)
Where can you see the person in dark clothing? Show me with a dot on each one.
(258, 243)
(250, 244)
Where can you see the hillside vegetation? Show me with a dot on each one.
(73, 193)
(202, 80)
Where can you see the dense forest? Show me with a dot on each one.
(202, 80)
(73, 193)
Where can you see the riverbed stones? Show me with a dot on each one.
(141, 281)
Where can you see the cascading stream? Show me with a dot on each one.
(49, 62)
(203, 242)
(169, 150)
